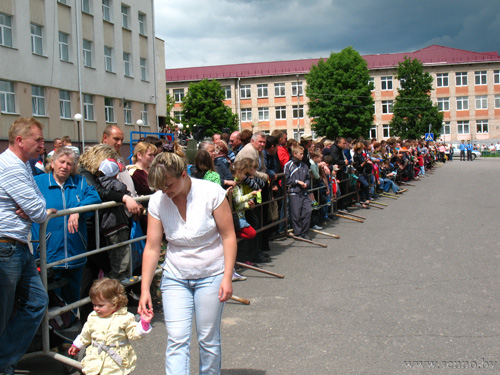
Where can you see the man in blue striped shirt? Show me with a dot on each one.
(21, 203)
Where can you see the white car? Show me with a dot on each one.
(456, 153)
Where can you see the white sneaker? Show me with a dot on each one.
(238, 277)
(317, 227)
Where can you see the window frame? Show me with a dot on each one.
(297, 86)
(443, 104)
(278, 88)
(246, 114)
(141, 17)
(125, 16)
(245, 92)
(109, 110)
(38, 101)
(461, 125)
(372, 133)
(496, 77)
(482, 124)
(65, 105)
(127, 64)
(442, 80)
(63, 47)
(144, 114)
(280, 112)
(298, 110)
(87, 53)
(179, 95)
(108, 59)
(87, 6)
(481, 76)
(6, 30)
(386, 83)
(482, 100)
(106, 10)
(143, 63)
(497, 101)
(461, 79)
(446, 130)
(88, 107)
(127, 112)
(7, 95)
(387, 107)
(463, 103)
(263, 113)
(262, 90)
(36, 39)
(386, 131)
(227, 92)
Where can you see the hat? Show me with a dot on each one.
(110, 167)
(306, 137)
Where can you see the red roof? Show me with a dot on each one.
(432, 55)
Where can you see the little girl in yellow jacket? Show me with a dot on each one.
(108, 331)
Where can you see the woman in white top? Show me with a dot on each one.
(196, 219)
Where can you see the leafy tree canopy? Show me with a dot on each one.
(413, 109)
(339, 90)
(204, 106)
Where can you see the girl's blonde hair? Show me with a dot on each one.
(109, 290)
(142, 148)
(165, 163)
(92, 157)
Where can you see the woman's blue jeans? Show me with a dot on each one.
(182, 298)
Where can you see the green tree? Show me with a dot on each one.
(339, 90)
(170, 120)
(413, 109)
(204, 106)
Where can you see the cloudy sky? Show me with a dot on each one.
(218, 32)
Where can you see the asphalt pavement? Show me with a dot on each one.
(412, 290)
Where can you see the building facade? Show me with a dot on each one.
(90, 57)
(271, 95)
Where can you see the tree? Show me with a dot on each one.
(413, 109)
(170, 120)
(204, 106)
(339, 90)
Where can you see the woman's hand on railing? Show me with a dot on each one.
(73, 223)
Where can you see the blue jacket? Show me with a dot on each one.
(60, 243)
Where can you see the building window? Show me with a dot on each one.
(38, 100)
(387, 106)
(106, 10)
(142, 23)
(65, 104)
(87, 53)
(246, 114)
(144, 68)
(462, 103)
(463, 127)
(36, 39)
(7, 97)
(5, 30)
(63, 46)
(108, 59)
(480, 77)
(109, 110)
(178, 95)
(263, 113)
(227, 92)
(86, 6)
(442, 79)
(297, 87)
(482, 102)
(386, 131)
(245, 92)
(88, 107)
(446, 128)
(373, 132)
(297, 133)
(281, 113)
(178, 116)
(443, 104)
(62, 2)
(497, 101)
(298, 111)
(127, 66)
(482, 126)
(125, 16)
(127, 112)
(461, 78)
(144, 113)
(262, 91)
(496, 77)
(386, 83)
(371, 82)
(279, 89)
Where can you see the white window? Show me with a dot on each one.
(297, 133)
(263, 113)
(63, 46)
(62, 2)
(65, 104)
(227, 92)
(86, 6)
(386, 131)
(246, 114)
(298, 111)
(297, 87)
(386, 83)
(108, 59)
(36, 39)
(106, 10)
(178, 95)
(127, 112)
(373, 132)
(480, 77)
(38, 100)
(109, 110)
(125, 16)
(127, 66)
(371, 82)
(463, 127)
(279, 89)
(87, 53)
(7, 97)
(142, 23)
(144, 68)
(281, 113)
(482, 102)
(5, 30)
(387, 106)
(442, 79)
(497, 101)
(462, 103)
(461, 78)
(482, 126)
(446, 128)
(262, 91)
(88, 107)
(178, 116)
(144, 113)
(245, 92)
(496, 77)
(443, 104)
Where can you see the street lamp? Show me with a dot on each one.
(78, 118)
(139, 124)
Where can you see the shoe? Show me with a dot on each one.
(264, 255)
(261, 259)
(129, 281)
(238, 277)
(317, 227)
(305, 237)
(248, 263)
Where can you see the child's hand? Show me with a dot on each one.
(251, 203)
(73, 350)
(147, 315)
(255, 192)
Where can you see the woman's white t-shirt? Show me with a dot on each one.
(194, 247)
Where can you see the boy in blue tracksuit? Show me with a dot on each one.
(298, 180)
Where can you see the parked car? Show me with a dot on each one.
(456, 153)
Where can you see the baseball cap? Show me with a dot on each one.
(111, 167)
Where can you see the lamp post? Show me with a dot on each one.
(140, 123)
(78, 118)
